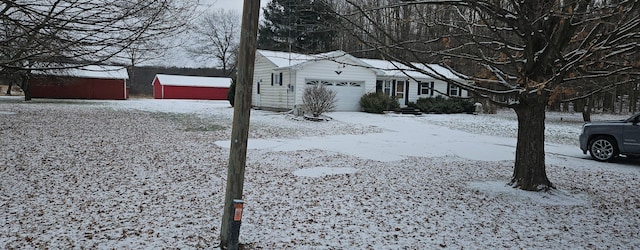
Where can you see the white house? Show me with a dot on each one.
(280, 79)
(407, 85)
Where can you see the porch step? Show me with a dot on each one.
(409, 110)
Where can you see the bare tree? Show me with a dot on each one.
(217, 36)
(517, 53)
(59, 34)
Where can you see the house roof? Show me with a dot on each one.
(194, 81)
(396, 69)
(91, 71)
(381, 67)
(285, 60)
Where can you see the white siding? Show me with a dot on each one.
(326, 70)
(283, 97)
(262, 75)
(271, 96)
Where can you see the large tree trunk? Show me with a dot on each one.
(530, 172)
(24, 85)
(586, 109)
(9, 89)
(633, 98)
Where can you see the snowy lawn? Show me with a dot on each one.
(149, 174)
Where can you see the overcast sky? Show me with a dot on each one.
(179, 57)
(229, 4)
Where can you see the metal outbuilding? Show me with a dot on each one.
(88, 82)
(190, 87)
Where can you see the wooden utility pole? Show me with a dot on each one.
(240, 129)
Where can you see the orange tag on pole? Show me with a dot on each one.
(237, 215)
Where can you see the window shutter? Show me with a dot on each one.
(459, 91)
(419, 87)
(393, 88)
(280, 80)
(258, 88)
(432, 90)
(271, 79)
(448, 89)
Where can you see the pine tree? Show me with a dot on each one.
(302, 26)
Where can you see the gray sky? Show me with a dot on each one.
(179, 57)
(229, 4)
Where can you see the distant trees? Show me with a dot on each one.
(304, 26)
(59, 34)
(518, 54)
(217, 36)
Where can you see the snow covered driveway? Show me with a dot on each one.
(151, 173)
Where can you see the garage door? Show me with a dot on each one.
(348, 93)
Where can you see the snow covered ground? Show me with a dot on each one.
(150, 174)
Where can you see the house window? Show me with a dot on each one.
(387, 88)
(426, 88)
(454, 90)
(276, 78)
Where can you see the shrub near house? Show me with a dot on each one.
(442, 105)
(378, 103)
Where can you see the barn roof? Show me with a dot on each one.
(91, 71)
(193, 81)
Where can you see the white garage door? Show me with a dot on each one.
(348, 93)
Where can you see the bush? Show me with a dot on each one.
(442, 105)
(378, 103)
(318, 99)
(231, 93)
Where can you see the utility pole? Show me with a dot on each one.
(230, 229)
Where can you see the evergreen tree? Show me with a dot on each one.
(302, 26)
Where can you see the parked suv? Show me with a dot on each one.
(606, 140)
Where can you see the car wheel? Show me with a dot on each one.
(603, 148)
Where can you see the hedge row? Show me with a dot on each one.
(442, 105)
(378, 103)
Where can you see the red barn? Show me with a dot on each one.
(89, 82)
(190, 87)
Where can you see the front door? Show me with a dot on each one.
(400, 91)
